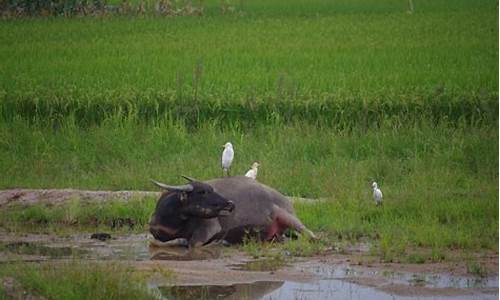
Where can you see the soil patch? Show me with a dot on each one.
(58, 196)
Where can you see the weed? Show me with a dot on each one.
(416, 258)
(476, 269)
(302, 246)
(253, 247)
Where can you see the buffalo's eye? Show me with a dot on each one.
(203, 192)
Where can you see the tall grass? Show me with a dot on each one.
(298, 159)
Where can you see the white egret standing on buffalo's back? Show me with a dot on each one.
(252, 173)
(227, 157)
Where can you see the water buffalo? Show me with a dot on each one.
(222, 209)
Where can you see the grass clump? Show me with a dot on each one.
(303, 247)
(78, 280)
(476, 269)
(416, 258)
(298, 245)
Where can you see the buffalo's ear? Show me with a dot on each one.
(183, 197)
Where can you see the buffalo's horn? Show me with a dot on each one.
(191, 179)
(179, 188)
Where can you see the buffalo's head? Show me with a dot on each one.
(182, 203)
(198, 199)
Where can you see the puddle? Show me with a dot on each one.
(338, 289)
(131, 248)
(263, 265)
(342, 282)
(405, 278)
(255, 290)
(317, 290)
(123, 248)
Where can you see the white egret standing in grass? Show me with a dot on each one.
(252, 173)
(227, 157)
(377, 194)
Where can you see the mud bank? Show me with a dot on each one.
(60, 196)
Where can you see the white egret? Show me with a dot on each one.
(227, 157)
(252, 173)
(377, 194)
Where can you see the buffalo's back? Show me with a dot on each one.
(253, 202)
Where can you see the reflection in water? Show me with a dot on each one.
(255, 290)
(266, 264)
(340, 289)
(285, 290)
(182, 253)
(128, 248)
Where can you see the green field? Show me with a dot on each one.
(314, 61)
(327, 95)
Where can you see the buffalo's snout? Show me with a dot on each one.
(230, 206)
(228, 209)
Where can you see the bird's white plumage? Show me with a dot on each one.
(227, 156)
(252, 173)
(377, 194)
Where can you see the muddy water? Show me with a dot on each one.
(44, 247)
(219, 273)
